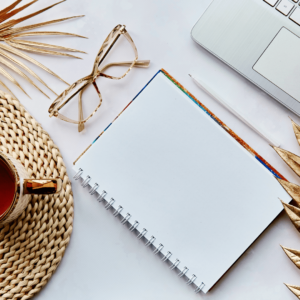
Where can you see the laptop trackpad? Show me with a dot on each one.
(280, 63)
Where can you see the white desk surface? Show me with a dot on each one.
(104, 260)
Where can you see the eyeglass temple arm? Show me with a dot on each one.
(80, 111)
(138, 64)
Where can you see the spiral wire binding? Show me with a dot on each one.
(192, 279)
(158, 249)
(102, 196)
(142, 233)
(200, 288)
(110, 203)
(151, 241)
(118, 211)
(167, 256)
(175, 264)
(78, 174)
(86, 181)
(126, 219)
(183, 272)
(134, 226)
(94, 189)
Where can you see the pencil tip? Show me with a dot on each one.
(190, 75)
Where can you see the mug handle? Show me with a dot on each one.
(41, 186)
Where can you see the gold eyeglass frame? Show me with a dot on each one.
(80, 85)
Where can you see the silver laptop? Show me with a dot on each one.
(260, 39)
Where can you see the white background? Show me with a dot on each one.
(104, 260)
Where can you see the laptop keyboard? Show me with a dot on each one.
(288, 8)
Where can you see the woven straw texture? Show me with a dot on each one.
(32, 246)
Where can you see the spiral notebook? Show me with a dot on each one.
(195, 193)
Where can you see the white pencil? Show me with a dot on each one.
(271, 140)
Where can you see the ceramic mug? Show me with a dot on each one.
(16, 188)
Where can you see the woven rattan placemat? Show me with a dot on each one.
(32, 246)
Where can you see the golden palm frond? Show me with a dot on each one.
(294, 289)
(10, 43)
(292, 189)
(296, 128)
(294, 214)
(293, 255)
(291, 159)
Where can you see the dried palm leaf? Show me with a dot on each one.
(12, 23)
(291, 159)
(4, 17)
(10, 78)
(23, 55)
(38, 33)
(38, 50)
(17, 62)
(10, 7)
(293, 213)
(292, 189)
(293, 255)
(2, 83)
(13, 68)
(294, 289)
(8, 35)
(296, 128)
(43, 45)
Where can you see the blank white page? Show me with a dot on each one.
(185, 179)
